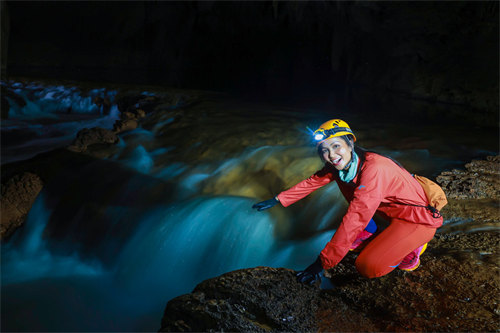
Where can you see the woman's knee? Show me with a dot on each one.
(370, 267)
(364, 267)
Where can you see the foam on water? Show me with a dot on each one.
(26, 257)
(63, 111)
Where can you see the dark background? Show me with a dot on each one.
(443, 51)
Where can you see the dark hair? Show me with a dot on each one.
(349, 139)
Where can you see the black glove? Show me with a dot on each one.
(311, 274)
(265, 204)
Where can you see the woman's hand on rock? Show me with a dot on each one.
(311, 274)
(265, 204)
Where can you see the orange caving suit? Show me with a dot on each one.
(380, 186)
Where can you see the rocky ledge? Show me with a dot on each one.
(455, 289)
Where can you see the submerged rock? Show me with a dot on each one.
(456, 288)
(18, 195)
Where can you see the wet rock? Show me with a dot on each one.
(472, 194)
(125, 125)
(6, 104)
(480, 180)
(480, 213)
(141, 113)
(104, 103)
(127, 116)
(107, 101)
(18, 195)
(98, 101)
(19, 100)
(87, 137)
(479, 241)
(455, 289)
(256, 300)
(125, 100)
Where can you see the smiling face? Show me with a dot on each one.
(336, 151)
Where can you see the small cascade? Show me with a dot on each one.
(50, 117)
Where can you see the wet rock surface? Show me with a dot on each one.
(255, 300)
(18, 195)
(480, 180)
(96, 135)
(473, 194)
(455, 289)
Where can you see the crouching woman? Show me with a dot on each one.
(371, 183)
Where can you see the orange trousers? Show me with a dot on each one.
(385, 251)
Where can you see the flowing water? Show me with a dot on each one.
(108, 243)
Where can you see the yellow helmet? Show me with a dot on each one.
(331, 129)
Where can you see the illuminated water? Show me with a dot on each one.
(107, 245)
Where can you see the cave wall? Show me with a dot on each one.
(439, 51)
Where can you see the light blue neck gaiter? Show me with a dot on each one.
(349, 174)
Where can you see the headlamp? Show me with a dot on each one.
(319, 136)
(322, 134)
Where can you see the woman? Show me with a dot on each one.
(371, 183)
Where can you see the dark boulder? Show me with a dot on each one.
(257, 299)
(125, 125)
(18, 195)
(87, 137)
(455, 289)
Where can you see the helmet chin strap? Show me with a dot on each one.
(349, 164)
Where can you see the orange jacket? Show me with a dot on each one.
(379, 187)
